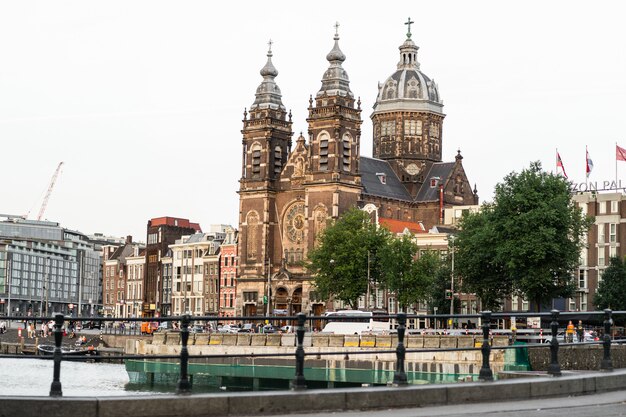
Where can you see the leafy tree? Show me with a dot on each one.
(339, 263)
(527, 242)
(612, 288)
(409, 277)
(476, 263)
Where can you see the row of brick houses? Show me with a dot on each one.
(179, 270)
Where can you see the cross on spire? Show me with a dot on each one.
(270, 45)
(336, 28)
(409, 23)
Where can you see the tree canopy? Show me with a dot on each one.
(347, 251)
(409, 277)
(527, 242)
(612, 287)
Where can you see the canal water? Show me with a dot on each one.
(34, 376)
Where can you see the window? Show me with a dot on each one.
(582, 279)
(346, 153)
(614, 206)
(572, 304)
(412, 127)
(612, 232)
(612, 251)
(324, 153)
(256, 161)
(583, 208)
(602, 207)
(601, 256)
(278, 161)
(601, 233)
(388, 128)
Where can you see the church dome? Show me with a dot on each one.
(408, 87)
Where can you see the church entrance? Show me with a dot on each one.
(296, 304)
(318, 311)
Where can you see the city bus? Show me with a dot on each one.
(356, 322)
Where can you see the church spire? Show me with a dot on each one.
(335, 81)
(268, 94)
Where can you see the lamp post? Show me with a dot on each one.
(451, 238)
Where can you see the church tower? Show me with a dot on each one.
(407, 119)
(266, 144)
(334, 140)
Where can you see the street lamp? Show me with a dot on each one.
(451, 238)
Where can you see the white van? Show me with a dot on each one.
(355, 322)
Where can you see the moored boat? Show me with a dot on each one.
(49, 350)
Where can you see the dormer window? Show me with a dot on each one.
(434, 182)
(382, 177)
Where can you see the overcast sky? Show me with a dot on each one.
(143, 100)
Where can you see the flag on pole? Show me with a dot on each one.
(559, 164)
(620, 153)
(589, 163)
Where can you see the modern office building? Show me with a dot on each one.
(45, 268)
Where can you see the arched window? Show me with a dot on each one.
(278, 161)
(323, 153)
(346, 152)
(256, 161)
(252, 221)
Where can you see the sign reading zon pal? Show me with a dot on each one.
(597, 186)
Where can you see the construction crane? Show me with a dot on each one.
(50, 187)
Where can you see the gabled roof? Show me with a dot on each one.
(441, 170)
(371, 171)
(401, 226)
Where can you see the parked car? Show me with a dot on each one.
(227, 328)
(268, 328)
(247, 328)
(287, 329)
(165, 325)
(196, 329)
(92, 324)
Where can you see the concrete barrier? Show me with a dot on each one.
(431, 341)
(202, 339)
(229, 339)
(414, 342)
(447, 342)
(158, 338)
(383, 342)
(288, 339)
(368, 340)
(336, 340)
(320, 340)
(216, 339)
(243, 339)
(351, 341)
(272, 339)
(257, 339)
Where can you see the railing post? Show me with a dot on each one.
(184, 386)
(607, 363)
(55, 387)
(486, 374)
(554, 368)
(299, 382)
(399, 377)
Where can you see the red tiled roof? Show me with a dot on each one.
(399, 226)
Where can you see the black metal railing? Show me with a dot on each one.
(184, 385)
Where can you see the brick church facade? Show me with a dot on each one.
(290, 191)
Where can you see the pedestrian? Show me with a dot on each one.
(569, 332)
(580, 332)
